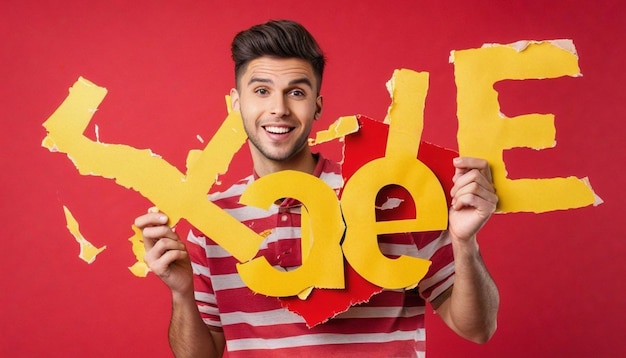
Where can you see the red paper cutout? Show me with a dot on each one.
(367, 144)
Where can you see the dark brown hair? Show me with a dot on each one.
(277, 38)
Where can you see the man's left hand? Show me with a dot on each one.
(474, 198)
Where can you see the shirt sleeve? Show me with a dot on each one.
(203, 288)
(436, 247)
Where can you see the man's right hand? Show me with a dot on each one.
(166, 254)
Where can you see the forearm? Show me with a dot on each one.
(473, 305)
(188, 334)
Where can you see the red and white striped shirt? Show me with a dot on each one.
(391, 324)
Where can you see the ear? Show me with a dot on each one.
(234, 99)
(319, 104)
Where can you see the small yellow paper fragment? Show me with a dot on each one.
(484, 133)
(339, 129)
(88, 251)
(139, 268)
(305, 294)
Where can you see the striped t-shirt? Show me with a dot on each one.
(391, 324)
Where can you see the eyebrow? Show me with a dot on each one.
(301, 81)
(297, 81)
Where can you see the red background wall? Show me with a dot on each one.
(167, 67)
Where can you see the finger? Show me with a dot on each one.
(476, 196)
(162, 265)
(154, 209)
(483, 207)
(465, 164)
(471, 178)
(159, 232)
(152, 234)
(165, 245)
(161, 248)
(151, 219)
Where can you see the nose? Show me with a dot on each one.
(279, 106)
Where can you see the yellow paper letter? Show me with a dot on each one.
(323, 267)
(399, 166)
(361, 243)
(484, 133)
(176, 194)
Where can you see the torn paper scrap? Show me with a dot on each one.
(339, 129)
(88, 251)
(322, 305)
(405, 114)
(390, 203)
(139, 268)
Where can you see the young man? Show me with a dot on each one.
(279, 69)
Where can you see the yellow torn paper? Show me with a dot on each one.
(360, 245)
(399, 166)
(88, 251)
(323, 267)
(405, 115)
(139, 268)
(339, 129)
(174, 193)
(484, 133)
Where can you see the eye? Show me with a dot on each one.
(261, 91)
(297, 93)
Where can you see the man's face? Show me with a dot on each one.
(278, 99)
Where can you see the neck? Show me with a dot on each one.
(303, 161)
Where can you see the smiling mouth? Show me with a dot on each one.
(277, 130)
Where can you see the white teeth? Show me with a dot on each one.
(277, 130)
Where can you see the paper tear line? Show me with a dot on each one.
(522, 45)
(597, 199)
(139, 268)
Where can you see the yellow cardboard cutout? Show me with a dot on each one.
(185, 196)
(174, 193)
(361, 243)
(323, 266)
(399, 166)
(484, 133)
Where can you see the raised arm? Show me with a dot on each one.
(470, 307)
(167, 257)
